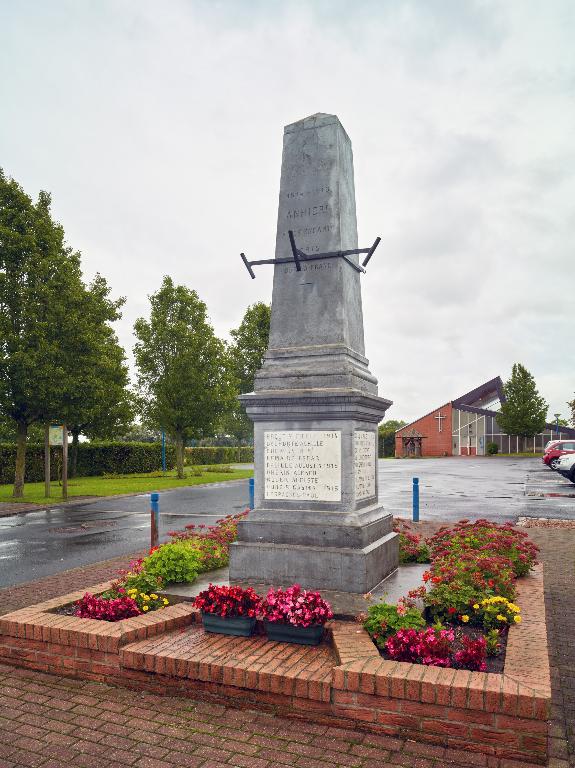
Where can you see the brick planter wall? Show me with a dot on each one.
(344, 681)
(37, 638)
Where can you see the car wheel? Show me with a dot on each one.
(554, 463)
(572, 476)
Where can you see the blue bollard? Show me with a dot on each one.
(154, 519)
(252, 492)
(415, 499)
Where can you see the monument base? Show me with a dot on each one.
(349, 558)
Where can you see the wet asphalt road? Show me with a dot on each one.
(497, 488)
(37, 544)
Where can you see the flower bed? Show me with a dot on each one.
(468, 595)
(344, 682)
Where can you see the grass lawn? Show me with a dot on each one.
(110, 486)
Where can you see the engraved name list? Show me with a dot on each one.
(302, 465)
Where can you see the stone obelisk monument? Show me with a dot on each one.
(315, 406)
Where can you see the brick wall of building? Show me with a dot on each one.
(434, 443)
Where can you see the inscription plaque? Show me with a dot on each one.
(302, 465)
(364, 463)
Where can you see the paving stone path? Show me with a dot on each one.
(54, 722)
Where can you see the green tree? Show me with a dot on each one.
(571, 405)
(387, 431)
(182, 373)
(101, 404)
(41, 309)
(246, 355)
(524, 411)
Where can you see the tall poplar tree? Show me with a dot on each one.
(524, 411)
(40, 279)
(100, 405)
(571, 405)
(55, 337)
(182, 373)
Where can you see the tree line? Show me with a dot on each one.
(61, 361)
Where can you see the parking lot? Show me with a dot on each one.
(497, 488)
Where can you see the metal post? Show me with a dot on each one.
(415, 499)
(252, 492)
(64, 461)
(163, 451)
(154, 519)
(47, 460)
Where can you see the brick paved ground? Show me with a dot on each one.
(52, 722)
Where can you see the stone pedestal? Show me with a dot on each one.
(315, 407)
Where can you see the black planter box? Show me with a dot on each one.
(240, 626)
(287, 633)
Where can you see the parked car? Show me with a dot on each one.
(552, 454)
(550, 443)
(566, 466)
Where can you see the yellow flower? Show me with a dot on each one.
(465, 618)
(500, 617)
(153, 596)
(166, 601)
(145, 608)
(476, 607)
(517, 619)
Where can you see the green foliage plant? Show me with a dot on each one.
(492, 642)
(183, 378)
(138, 578)
(245, 356)
(385, 619)
(173, 562)
(451, 600)
(412, 546)
(55, 333)
(386, 436)
(524, 411)
(492, 449)
(220, 468)
(496, 612)
(220, 454)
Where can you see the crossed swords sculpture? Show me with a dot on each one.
(299, 256)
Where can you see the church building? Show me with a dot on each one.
(464, 427)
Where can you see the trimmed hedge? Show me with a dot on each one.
(122, 458)
(114, 458)
(93, 459)
(221, 454)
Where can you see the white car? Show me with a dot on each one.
(566, 466)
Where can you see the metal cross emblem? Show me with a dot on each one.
(299, 256)
(439, 418)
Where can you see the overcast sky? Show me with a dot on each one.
(157, 127)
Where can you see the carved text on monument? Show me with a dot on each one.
(364, 463)
(302, 465)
